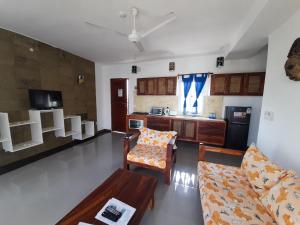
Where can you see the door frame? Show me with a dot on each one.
(127, 94)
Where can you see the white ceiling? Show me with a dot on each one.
(201, 27)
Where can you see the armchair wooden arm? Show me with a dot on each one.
(131, 137)
(203, 149)
(170, 148)
(128, 139)
(171, 157)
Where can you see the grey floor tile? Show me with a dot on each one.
(41, 193)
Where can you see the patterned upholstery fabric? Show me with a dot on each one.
(227, 197)
(260, 171)
(155, 138)
(283, 201)
(149, 155)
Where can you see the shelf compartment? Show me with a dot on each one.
(71, 133)
(71, 117)
(49, 129)
(21, 123)
(24, 145)
(47, 110)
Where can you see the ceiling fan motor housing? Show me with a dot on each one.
(134, 36)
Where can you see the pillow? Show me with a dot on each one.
(261, 173)
(283, 201)
(155, 138)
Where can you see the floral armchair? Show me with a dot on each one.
(154, 150)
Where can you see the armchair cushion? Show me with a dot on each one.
(155, 138)
(260, 171)
(150, 155)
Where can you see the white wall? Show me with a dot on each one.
(183, 65)
(279, 138)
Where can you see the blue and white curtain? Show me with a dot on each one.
(199, 81)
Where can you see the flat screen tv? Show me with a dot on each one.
(42, 99)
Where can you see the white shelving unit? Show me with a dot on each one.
(4, 131)
(89, 129)
(58, 127)
(75, 131)
(35, 127)
(37, 131)
(21, 123)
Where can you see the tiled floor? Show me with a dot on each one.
(41, 193)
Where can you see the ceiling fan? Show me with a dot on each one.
(136, 36)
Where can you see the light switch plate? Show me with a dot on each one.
(269, 115)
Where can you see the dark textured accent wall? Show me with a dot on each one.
(45, 68)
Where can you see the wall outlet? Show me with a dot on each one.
(269, 115)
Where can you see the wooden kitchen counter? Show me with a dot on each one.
(188, 128)
(182, 117)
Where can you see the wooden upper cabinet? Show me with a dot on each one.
(238, 84)
(254, 84)
(235, 84)
(171, 84)
(151, 86)
(141, 86)
(157, 86)
(219, 84)
(161, 86)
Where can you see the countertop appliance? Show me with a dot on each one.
(238, 121)
(157, 111)
(167, 111)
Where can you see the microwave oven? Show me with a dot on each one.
(135, 124)
(158, 111)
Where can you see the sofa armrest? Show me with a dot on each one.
(203, 149)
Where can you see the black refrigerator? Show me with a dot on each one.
(238, 122)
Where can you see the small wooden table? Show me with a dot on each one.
(134, 189)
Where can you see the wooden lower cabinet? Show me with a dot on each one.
(186, 129)
(190, 130)
(159, 123)
(212, 132)
(177, 125)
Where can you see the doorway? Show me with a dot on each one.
(119, 103)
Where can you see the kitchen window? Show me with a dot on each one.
(191, 98)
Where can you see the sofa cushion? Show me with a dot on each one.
(227, 198)
(155, 138)
(283, 201)
(260, 171)
(149, 155)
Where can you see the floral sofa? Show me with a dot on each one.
(258, 193)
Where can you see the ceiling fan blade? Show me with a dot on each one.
(106, 28)
(139, 46)
(171, 18)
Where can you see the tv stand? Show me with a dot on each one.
(37, 129)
